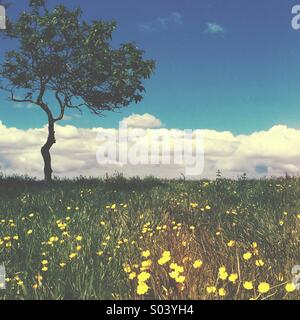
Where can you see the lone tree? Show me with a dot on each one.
(73, 61)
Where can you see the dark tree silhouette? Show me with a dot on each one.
(58, 54)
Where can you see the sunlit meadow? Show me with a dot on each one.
(143, 239)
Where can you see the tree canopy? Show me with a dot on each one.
(75, 60)
(62, 55)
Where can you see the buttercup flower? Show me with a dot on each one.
(142, 288)
(166, 257)
(197, 264)
(254, 245)
(231, 243)
(248, 285)
(233, 277)
(146, 253)
(144, 276)
(290, 287)
(259, 263)
(263, 287)
(222, 292)
(247, 255)
(180, 279)
(223, 275)
(211, 289)
(174, 274)
(132, 275)
(73, 255)
(146, 264)
(127, 269)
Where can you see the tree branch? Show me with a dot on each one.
(20, 100)
(62, 106)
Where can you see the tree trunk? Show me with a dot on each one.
(46, 150)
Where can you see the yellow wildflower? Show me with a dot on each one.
(259, 263)
(142, 288)
(231, 243)
(174, 274)
(166, 257)
(263, 287)
(144, 276)
(248, 285)
(132, 275)
(197, 264)
(146, 253)
(73, 255)
(146, 264)
(254, 245)
(194, 205)
(247, 255)
(290, 287)
(127, 269)
(233, 277)
(211, 289)
(222, 292)
(180, 279)
(222, 273)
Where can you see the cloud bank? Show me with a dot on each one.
(142, 121)
(272, 152)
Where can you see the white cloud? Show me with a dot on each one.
(162, 23)
(272, 152)
(142, 121)
(175, 18)
(212, 27)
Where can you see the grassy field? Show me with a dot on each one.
(142, 239)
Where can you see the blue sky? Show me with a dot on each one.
(224, 65)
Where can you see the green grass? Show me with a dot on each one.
(194, 220)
